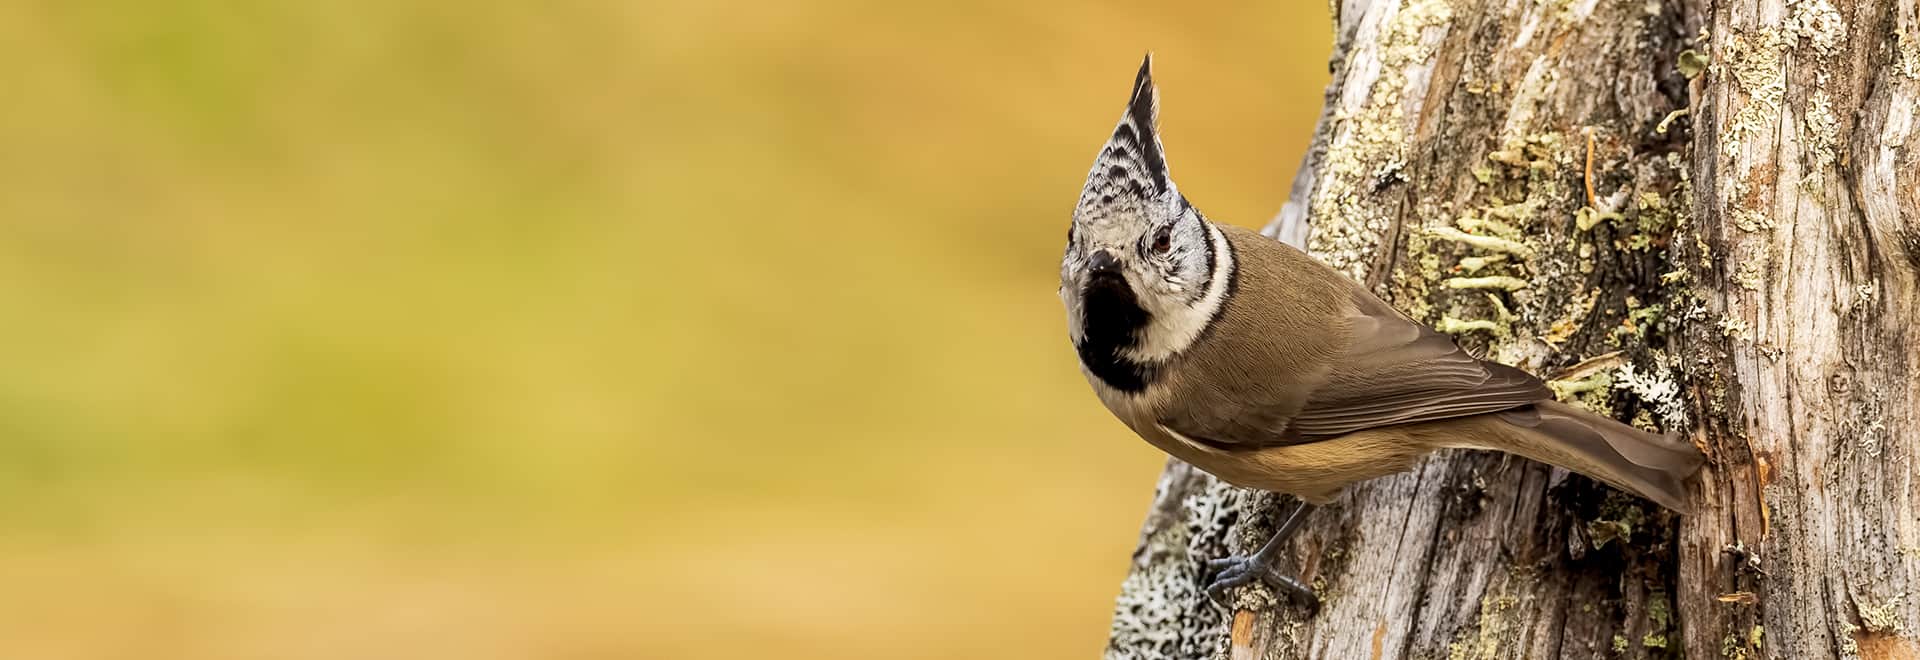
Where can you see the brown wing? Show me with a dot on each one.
(1397, 371)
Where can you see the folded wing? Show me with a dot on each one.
(1397, 371)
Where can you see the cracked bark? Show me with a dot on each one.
(1753, 266)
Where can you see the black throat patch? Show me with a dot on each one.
(1113, 319)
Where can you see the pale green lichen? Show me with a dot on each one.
(1666, 121)
(1818, 24)
(1600, 532)
(1884, 617)
(1586, 218)
(1369, 143)
(1748, 275)
(1502, 282)
(1473, 264)
(1493, 243)
(1487, 226)
(1734, 329)
(1849, 647)
(1455, 326)
(1494, 628)
(1528, 153)
(1518, 212)
(1691, 63)
(1821, 136)
(1633, 329)
(1659, 611)
(1571, 390)
(1751, 220)
(1413, 281)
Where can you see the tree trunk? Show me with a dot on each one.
(1701, 217)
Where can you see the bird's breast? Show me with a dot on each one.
(1110, 321)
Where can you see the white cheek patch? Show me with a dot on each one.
(1176, 324)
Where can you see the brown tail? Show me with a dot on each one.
(1627, 458)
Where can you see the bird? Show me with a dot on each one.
(1251, 360)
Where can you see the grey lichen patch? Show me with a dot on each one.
(1162, 611)
(1819, 24)
(1746, 209)
(1658, 390)
(1369, 143)
(1821, 135)
(1868, 426)
(1756, 62)
(1907, 61)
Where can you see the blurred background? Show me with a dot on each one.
(421, 328)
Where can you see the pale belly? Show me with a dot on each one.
(1314, 471)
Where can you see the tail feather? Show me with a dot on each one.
(1639, 462)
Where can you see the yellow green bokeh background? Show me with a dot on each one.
(431, 329)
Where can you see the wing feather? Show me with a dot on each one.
(1398, 371)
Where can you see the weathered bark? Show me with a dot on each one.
(1703, 217)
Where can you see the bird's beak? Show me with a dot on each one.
(1101, 263)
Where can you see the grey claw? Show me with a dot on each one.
(1238, 571)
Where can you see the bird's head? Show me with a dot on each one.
(1144, 272)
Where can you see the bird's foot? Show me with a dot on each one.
(1241, 570)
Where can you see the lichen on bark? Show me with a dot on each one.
(1529, 176)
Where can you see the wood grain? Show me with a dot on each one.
(1747, 238)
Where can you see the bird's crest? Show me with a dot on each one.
(1131, 170)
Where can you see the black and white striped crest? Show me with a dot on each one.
(1131, 170)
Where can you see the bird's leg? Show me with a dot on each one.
(1238, 570)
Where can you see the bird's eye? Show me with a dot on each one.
(1162, 241)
